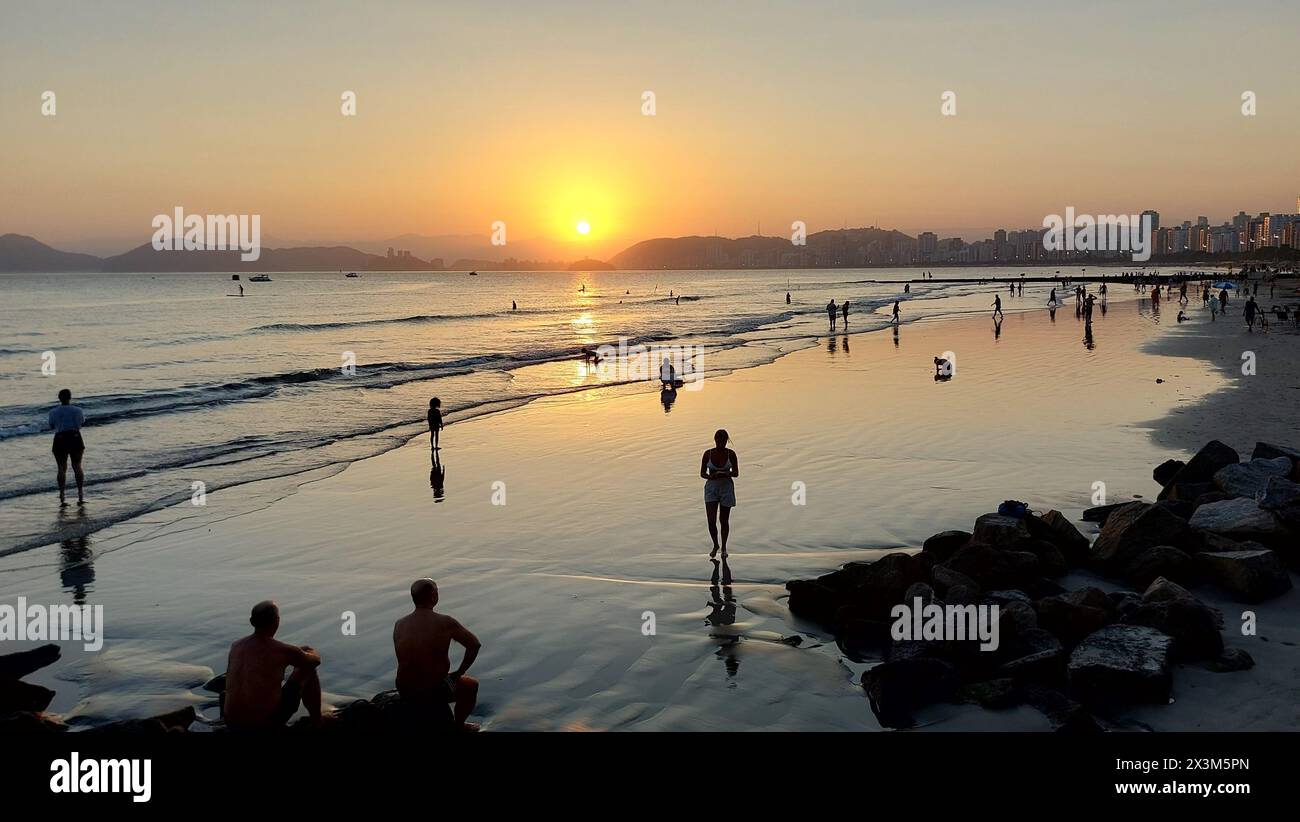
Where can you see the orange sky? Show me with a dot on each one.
(823, 112)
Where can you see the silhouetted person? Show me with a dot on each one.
(830, 312)
(787, 298)
(896, 320)
(422, 641)
(514, 306)
(435, 420)
(667, 374)
(844, 309)
(66, 419)
(1250, 310)
(997, 305)
(257, 696)
(718, 468)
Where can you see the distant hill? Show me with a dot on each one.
(589, 264)
(849, 248)
(22, 253)
(317, 258)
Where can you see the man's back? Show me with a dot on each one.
(254, 673)
(421, 640)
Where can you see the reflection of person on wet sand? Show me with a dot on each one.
(719, 467)
(668, 396)
(76, 571)
(722, 613)
(438, 478)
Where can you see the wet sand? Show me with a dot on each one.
(603, 527)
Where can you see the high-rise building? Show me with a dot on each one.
(1155, 219)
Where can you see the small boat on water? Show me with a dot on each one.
(260, 278)
(351, 274)
(473, 273)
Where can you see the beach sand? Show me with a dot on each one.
(603, 529)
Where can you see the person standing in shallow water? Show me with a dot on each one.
(718, 468)
(66, 420)
(435, 420)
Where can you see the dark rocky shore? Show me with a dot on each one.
(1075, 655)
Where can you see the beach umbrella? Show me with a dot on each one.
(1226, 284)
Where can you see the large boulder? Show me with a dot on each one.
(1101, 513)
(16, 695)
(29, 722)
(1264, 450)
(1249, 576)
(386, 712)
(1121, 663)
(812, 600)
(1249, 479)
(993, 568)
(1069, 621)
(945, 543)
(1202, 467)
(1137, 526)
(1056, 528)
(1239, 518)
(19, 665)
(898, 688)
(1166, 471)
(1158, 561)
(1000, 531)
(1066, 715)
(1172, 610)
(871, 589)
(1282, 497)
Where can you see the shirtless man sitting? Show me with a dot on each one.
(422, 639)
(258, 697)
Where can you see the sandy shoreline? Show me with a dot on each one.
(556, 581)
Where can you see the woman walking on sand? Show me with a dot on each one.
(718, 468)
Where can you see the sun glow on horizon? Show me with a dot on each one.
(583, 227)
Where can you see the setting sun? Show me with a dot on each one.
(584, 227)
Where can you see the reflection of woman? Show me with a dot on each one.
(718, 467)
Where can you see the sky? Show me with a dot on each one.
(532, 114)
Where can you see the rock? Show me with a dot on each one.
(1266, 451)
(1042, 587)
(19, 665)
(1238, 518)
(1179, 508)
(1202, 467)
(27, 722)
(1215, 543)
(1055, 528)
(918, 590)
(1206, 499)
(1000, 531)
(1137, 526)
(1068, 621)
(1188, 492)
(963, 594)
(1232, 659)
(1022, 614)
(1165, 471)
(813, 600)
(1172, 610)
(1091, 597)
(944, 578)
(945, 543)
(387, 713)
(178, 720)
(899, 687)
(1008, 596)
(1158, 561)
(1051, 562)
(1101, 513)
(1066, 715)
(1249, 576)
(992, 568)
(1121, 663)
(216, 685)
(1249, 479)
(1282, 497)
(993, 694)
(1125, 602)
(16, 695)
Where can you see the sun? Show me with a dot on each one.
(583, 227)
